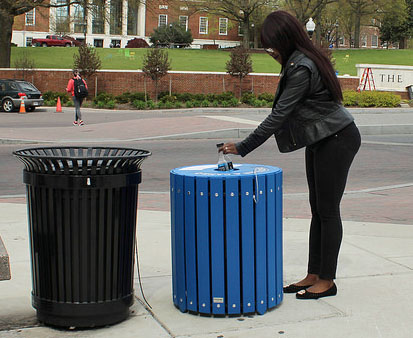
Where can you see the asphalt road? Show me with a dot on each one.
(379, 188)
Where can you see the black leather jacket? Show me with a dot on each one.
(303, 112)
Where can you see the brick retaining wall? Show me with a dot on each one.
(118, 82)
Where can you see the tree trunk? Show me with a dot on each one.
(246, 32)
(357, 32)
(7, 21)
(240, 87)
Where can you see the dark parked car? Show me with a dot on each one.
(12, 92)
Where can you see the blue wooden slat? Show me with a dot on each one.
(271, 264)
(279, 240)
(232, 245)
(190, 247)
(180, 242)
(217, 247)
(247, 245)
(203, 252)
(260, 244)
(173, 239)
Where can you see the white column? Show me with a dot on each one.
(141, 19)
(52, 18)
(107, 18)
(124, 17)
(89, 21)
(71, 14)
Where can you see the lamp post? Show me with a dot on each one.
(337, 37)
(310, 26)
(253, 35)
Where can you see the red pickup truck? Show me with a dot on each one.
(52, 40)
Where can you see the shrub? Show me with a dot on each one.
(169, 98)
(110, 104)
(184, 97)
(137, 43)
(150, 104)
(370, 99)
(177, 105)
(266, 97)
(205, 103)
(104, 98)
(226, 104)
(234, 102)
(189, 104)
(123, 98)
(225, 96)
(350, 98)
(52, 96)
(248, 98)
(259, 103)
(215, 103)
(69, 103)
(139, 104)
(137, 96)
(169, 104)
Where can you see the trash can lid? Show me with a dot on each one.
(210, 170)
(82, 160)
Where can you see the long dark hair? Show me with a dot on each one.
(286, 34)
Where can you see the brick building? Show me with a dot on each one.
(116, 22)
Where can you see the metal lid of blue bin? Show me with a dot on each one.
(210, 170)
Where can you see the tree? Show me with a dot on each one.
(156, 65)
(87, 61)
(362, 9)
(25, 64)
(172, 34)
(239, 65)
(9, 9)
(240, 11)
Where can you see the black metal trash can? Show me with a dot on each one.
(82, 205)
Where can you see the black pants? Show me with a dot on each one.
(327, 165)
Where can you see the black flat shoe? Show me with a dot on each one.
(292, 288)
(312, 295)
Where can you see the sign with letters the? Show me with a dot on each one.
(389, 77)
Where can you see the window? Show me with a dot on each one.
(183, 21)
(115, 43)
(98, 17)
(374, 41)
(79, 19)
(163, 6)
(98, 42)
(62, 16)
(116, 17)
(341, 40)
(223, 26)
(203, 25)
(163, 20)
(29, 41)
(31, 18)
(183, 8)
(364, 41)
(132, 19)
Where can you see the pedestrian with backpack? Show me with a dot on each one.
(78, 87)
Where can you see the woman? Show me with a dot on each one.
(75, 83)
(307, 112)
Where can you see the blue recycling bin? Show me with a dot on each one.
(226, 231)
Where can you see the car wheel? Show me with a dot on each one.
(31, 108)
(8, 105)
(68, 45)
(44, 44)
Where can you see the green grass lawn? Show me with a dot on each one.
(206, 60)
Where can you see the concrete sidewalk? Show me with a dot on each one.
(375, 289)
(375, 276)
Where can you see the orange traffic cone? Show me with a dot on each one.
(22, 107)
(58, 106)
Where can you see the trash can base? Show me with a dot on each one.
(82, 315)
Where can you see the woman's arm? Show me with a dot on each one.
(296, 88)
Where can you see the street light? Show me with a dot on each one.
(310, 25)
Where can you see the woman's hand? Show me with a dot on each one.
(229, 148)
